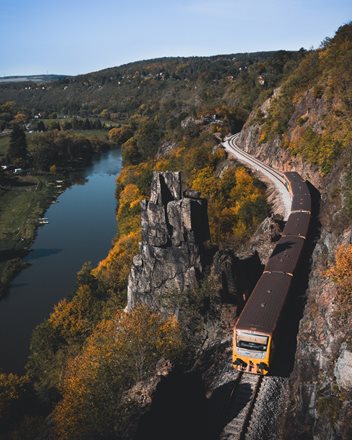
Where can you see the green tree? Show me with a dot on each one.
(41, 126)
(17, 152)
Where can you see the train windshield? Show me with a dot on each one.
(251, 341)
(251, 345)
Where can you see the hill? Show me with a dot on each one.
(31, 78)
(167, 87)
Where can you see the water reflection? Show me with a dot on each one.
(40, 253)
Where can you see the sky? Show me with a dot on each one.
(80, 36)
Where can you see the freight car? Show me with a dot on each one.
(258, 326)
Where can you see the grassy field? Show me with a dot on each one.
(93, 133)
(20, 208)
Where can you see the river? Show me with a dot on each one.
(81, 227)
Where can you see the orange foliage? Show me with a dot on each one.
(115, 133)
(128, 214)
(120, 351)
(71, 317)
(12, 390)
(262, 137)
(233, 197)
(116, 266)
(341, 272)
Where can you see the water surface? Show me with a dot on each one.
(81, 227)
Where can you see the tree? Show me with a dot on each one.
(13, 389)
(17, 152)
(97, 125)
(341, 272)
(54, 125)
(86, 124)
(120, 134)
(147, 139)
(41, 126)
(20, 118)
(44, 157)
(67, 125)
(120, 352)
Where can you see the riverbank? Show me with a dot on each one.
(24, 199)
(23, 202)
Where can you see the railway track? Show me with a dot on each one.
(275, 176)
(240, 406)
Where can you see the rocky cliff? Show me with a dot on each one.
(320, 386)
(174, 228)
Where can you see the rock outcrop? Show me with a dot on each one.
(343, 368)
(174, 228)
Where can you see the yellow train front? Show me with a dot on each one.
(257, 329)
(251, 351)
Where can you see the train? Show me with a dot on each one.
(257, 330)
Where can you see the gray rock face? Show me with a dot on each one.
(173, 230)
(224, 274)
(343, 368)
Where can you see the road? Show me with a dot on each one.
(275, 177)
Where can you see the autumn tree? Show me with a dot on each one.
(341, 271)
(120, 352)
(13, 390)
(75, 319)
(20, 118)
(120, 134)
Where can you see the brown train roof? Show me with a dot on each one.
(264, 306)
(297, 224)
(301, 202)
(294, 178)
(285, 256)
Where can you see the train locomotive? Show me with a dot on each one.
(257, 328)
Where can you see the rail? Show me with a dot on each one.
(241, 405)
(276, 177)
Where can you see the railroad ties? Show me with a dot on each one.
(241, 405)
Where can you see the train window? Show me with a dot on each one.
(251, 345)
(251, 341)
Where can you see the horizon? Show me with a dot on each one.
(81, 37)
(20, 75)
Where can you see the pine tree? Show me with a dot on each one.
(17, 152)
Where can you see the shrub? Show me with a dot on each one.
(341, 271)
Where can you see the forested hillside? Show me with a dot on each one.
(168, 88)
